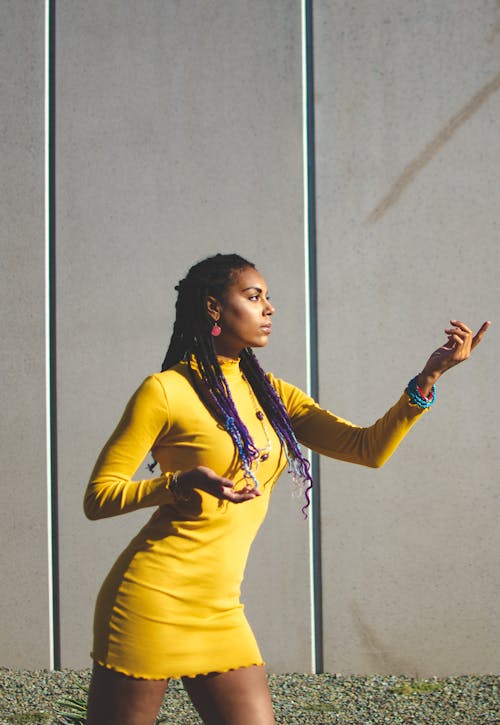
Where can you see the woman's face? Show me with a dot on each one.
(244, 314)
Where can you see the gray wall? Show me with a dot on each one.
(24, 604)
(178, 134)
(408, 211)
(177, 137)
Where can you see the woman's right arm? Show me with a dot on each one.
(111, 490)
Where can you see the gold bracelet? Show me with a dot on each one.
(175, 487)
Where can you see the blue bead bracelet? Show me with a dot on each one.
(417, 397)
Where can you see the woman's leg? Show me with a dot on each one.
(238, 697)
(115, 699)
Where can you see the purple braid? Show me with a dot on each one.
(191, 338)
(222, 406)
(298, 466)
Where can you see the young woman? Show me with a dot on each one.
(221, 432)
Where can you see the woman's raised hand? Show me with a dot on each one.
(461, 341)
(207, 480)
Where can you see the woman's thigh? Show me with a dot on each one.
(115, 699)
(238, 697)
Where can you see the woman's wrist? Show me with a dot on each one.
(178, 487)
(426, 382)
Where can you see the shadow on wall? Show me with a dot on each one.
(380, 658)
(433, 148)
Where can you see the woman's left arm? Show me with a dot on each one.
(326, 433)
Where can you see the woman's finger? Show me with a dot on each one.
(454, 338)
(480, 334)
(461, 326)
(459, 335)
(245, 494)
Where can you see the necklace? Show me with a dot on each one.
(265, 452)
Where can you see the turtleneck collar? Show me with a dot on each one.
(230, 366)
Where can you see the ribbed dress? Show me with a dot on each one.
(170, 606)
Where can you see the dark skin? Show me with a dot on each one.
(238, 697)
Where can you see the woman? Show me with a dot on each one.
(221, 431)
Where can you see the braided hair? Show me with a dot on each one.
(191, 338)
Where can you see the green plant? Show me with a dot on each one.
(75, 709)
(417, 686)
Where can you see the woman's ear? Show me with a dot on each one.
(213, 308)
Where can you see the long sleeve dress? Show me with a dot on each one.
(170, 606)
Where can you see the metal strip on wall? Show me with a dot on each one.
(309, 166)
(50, 340)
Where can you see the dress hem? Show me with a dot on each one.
(137, 676)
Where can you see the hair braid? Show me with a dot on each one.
(191, 338)
(298, 465)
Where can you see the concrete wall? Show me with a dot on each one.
(177, 137)
(178, 134)
(408, 149)
(24, 603)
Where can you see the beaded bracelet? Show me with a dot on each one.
(417, 397)
(175, 488)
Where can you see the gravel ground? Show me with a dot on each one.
(33, 697)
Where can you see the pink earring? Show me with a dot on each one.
(216, 330)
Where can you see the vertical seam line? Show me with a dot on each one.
(50, 340)
(48, 446)
(309, 170)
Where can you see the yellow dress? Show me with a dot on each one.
(170, 606)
